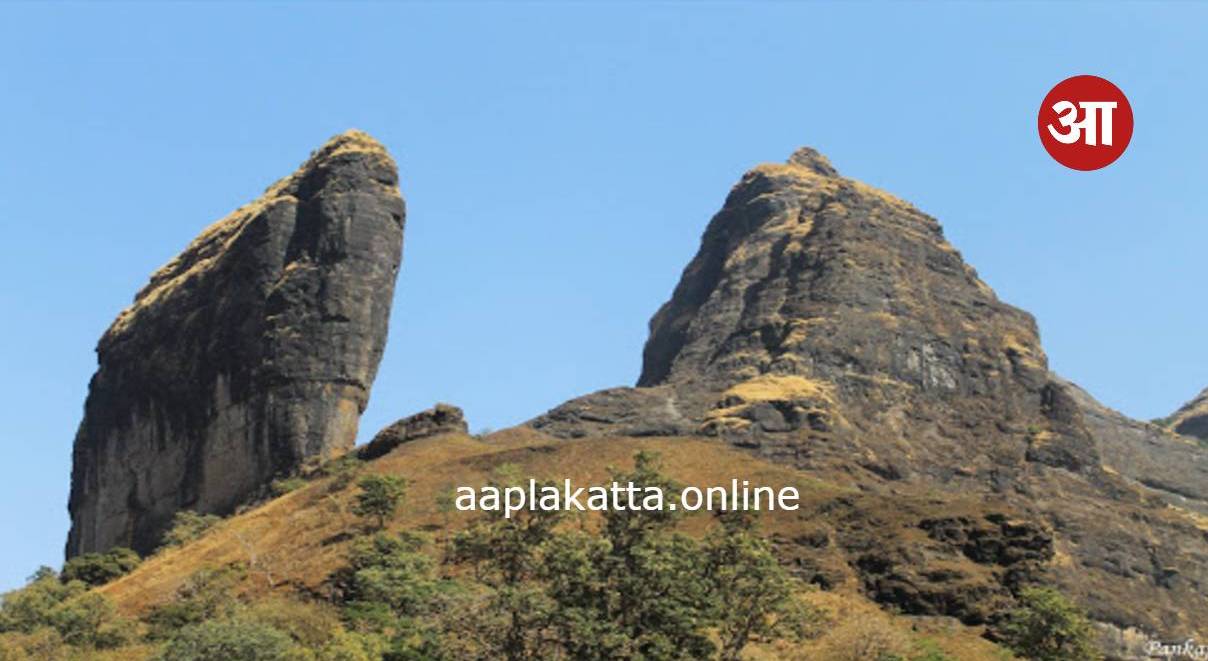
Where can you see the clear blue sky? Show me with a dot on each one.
(560, 163)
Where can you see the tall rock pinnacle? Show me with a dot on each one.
(249, 352)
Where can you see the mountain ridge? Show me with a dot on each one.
(825, 332)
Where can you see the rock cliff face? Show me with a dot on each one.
(823, 318)
(249, 352)
(830, 325)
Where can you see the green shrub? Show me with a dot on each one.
(100, 568)
(77, 617)
(30, 608)
(379, 497)
(208, 594)
(311, 625)
(1048, 627)
(187, 526)
(346, 646)
(232, 639)
(344, 470)
(90, 620)
(41, 645)
(286, 485)
(389, 587)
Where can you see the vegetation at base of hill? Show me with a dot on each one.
(208, 594)
(627, 584)
(528, 588)
(1047, 627)
(49, 618)
(99, 568)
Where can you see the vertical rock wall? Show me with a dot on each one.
(251, 351)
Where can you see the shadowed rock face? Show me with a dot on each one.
(1192, 418)
(829, 325)
(252, 350)
(1173, 466)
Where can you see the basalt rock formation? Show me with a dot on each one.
(440, 419)
(829, 325)
(249, 352)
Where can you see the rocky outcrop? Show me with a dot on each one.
(249, 352)
(1192, 418)
(440, 419)
(830, 325)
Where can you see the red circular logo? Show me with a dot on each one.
(1085, 122)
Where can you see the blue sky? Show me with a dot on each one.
(560, 163)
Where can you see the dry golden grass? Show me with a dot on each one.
(799, 330)
(1199, 520)
(1014, 345)
(777, 387)
(766, 388)
(298, 539)
(876, 193)
(858, 630)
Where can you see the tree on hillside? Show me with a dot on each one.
(209, 593)
(187, 526)
(379, 497)
(754, 593)
(1048, 627)
(233, 638)
(388, 570)
(506, 553)
(637, 592)
(100, 568)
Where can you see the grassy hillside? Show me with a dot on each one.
(289, 547)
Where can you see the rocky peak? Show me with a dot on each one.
(813, 160)
(829, 325)
(819, 307)
(810, 282)
(252, 350)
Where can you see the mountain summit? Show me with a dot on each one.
(249, 352)
(829, 325)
